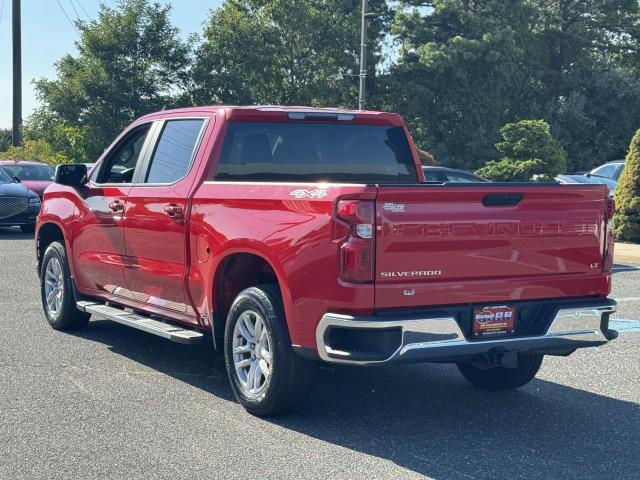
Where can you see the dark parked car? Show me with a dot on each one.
(19, 206)
(35, 176)
(451, 175)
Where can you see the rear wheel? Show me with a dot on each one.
(56, 291)
(502, 378)
(266, 375)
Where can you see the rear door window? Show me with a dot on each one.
(315, 152)
(174, 151)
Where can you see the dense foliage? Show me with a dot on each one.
(37, 150)
(457, 70)
(467, 67)
(528, 150)
(627, 196)
(5, 139)
(462, 74)
(130, 61)
(302, 52)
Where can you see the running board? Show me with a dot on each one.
(146, 324)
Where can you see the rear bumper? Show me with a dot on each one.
(415, 338)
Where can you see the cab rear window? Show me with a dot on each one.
(315, 152)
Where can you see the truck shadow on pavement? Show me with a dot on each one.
(426, 418)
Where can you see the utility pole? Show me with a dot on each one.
(17, 75)
(363, 55)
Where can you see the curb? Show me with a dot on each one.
(626, 253)
(626, 259)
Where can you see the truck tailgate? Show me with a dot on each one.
(468, 244)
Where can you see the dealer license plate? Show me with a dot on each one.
(494, 321)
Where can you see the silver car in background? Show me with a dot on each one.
(607, 174)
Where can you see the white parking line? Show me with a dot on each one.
(627, 299)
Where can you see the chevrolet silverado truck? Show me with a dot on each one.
(291, 236)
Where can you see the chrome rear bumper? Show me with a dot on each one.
(441, 339)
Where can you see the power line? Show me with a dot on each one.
(65, 14)
(83, 9)
(74, 9)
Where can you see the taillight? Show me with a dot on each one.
(611, 210)
(607, 259)
(356, 253)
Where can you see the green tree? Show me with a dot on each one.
(466, 67)
(130, 61)
(74, 142)
(35, 150)
(462, 71)
(572, 34)
(302, 52)
(590, 100)
(627, 196)
(527, 149)
(597, 117)
(5, 139)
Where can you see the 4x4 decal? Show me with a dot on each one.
(302, 193)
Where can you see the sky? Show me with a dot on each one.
(47, 35)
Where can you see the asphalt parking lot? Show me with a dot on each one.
(112, 402)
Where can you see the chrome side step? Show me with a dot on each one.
(146, 324)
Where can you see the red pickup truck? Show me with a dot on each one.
(296, 235)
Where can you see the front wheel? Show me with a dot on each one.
(266, 375)
(502, 378)
(56, 291)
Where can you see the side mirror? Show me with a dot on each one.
(17, 179)
(73, 175)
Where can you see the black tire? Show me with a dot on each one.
(291, 376)
(28, 228)
(67, 316)
(501, 378)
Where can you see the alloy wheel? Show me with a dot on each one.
(252, 353)
(54, 286)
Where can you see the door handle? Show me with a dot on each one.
(173, 210)
(116, 206)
